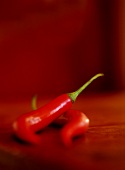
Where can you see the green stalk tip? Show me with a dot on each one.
(33, 102)
(75, 94)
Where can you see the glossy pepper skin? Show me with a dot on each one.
(26, 126)
(77, 124)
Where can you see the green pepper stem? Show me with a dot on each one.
(74, 95)
(33, 102)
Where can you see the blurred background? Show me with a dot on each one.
(54, 46)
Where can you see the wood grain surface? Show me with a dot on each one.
(102, 147)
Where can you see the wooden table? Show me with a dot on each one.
(102, 147)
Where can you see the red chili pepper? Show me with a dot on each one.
(77, 125)
(26, 126)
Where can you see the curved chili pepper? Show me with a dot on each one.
(77, 125)
(26, 126)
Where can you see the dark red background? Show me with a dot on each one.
(52, 47)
